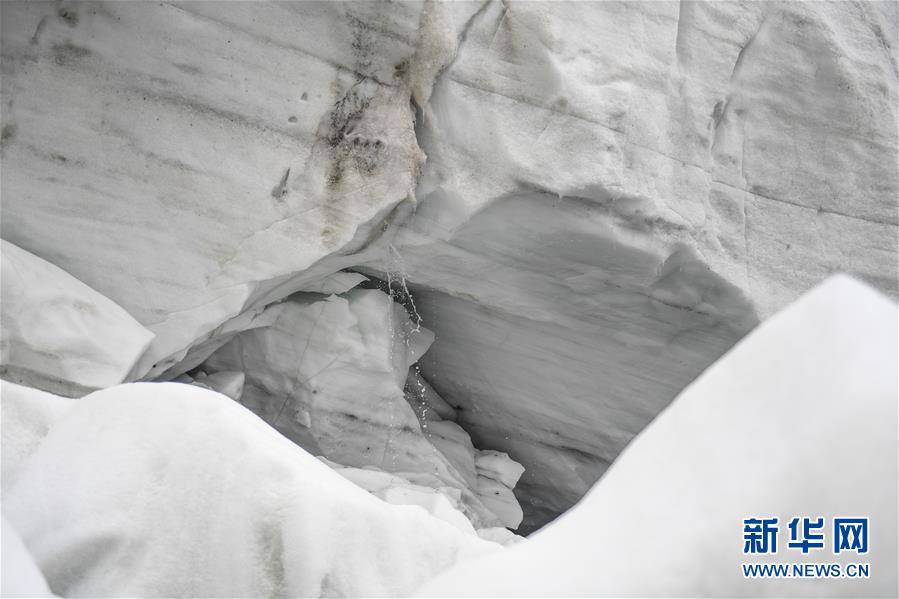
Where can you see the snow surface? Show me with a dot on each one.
(166, 489)
(21, 576)
(58, 333)
(800, 419)
(26, 415)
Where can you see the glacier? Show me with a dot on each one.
(459, 254)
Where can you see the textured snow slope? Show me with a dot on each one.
(164, 489)
(800, 419)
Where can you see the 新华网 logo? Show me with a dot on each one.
(760, 535)
(805, 535)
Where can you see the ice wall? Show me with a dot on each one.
(590, 202)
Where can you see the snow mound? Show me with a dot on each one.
(27, 415)
(21, 577)
(799, 419)
(59, 334)
(165, 489)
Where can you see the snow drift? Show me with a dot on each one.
(165, 489)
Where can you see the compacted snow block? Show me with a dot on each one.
(332, 375)
(171, 490)
(798, 420)
(59, 334)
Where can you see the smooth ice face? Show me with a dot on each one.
(562, 328)
(800, 418)
(165, 489)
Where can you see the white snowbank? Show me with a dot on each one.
(26, 415)
(800, 419)
(58, 333)
(164, 489)
(21, 577)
